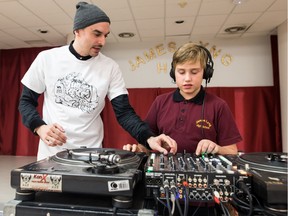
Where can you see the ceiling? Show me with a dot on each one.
(22, 22)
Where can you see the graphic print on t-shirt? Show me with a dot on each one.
(73, 91)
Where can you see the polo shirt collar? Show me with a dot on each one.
(198, 99)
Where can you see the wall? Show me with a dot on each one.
(250, 65)
(282, 49)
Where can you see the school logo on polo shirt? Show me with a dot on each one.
(203, 123)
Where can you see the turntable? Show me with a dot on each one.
(92, 171)
(269, 171)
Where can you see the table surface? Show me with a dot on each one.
(8, 163)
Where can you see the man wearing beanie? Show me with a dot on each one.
(75, 79)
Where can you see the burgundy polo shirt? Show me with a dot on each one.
(189, 121)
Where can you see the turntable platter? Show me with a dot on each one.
(265, 161)
(84, 157)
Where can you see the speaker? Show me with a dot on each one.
(208, 72)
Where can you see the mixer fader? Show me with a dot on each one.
(199, 178)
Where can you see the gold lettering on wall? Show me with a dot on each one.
(214, 52)
(162, 67)
(138, 61)
(226, 59)
(160, 49)
(132, 65)
(203, 44)
(150, 55)
(171, 47)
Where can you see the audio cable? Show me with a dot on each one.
(224, 209)
(220, 203)
(186, 197)
(258, 209)
(157, 199)
(241, 185)
(173, 191)
(115, 211)
(172, 198)
(166, 189)
(202, 113)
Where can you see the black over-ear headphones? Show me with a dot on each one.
(208, 72)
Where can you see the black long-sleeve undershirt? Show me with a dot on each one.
(125, 115)
(28, 104)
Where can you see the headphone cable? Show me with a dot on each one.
(202, 112)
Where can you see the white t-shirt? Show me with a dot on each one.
(74, 95)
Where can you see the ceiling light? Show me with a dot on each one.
(126, 35)
(235, 29)
(42, 31)
(179, 21)
(238, 2)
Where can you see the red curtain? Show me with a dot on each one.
(15, 139)
(253, 109)
(256, 110)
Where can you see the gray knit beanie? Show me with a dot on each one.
(88, 14)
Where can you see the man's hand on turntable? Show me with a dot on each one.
(163, 144)
(52, 135)
(207, 146)
(136, 148)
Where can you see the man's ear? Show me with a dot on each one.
(76, 32)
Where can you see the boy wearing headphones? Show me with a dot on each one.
(197, 120)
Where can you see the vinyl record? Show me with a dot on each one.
(84, 157)
(265, 161)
